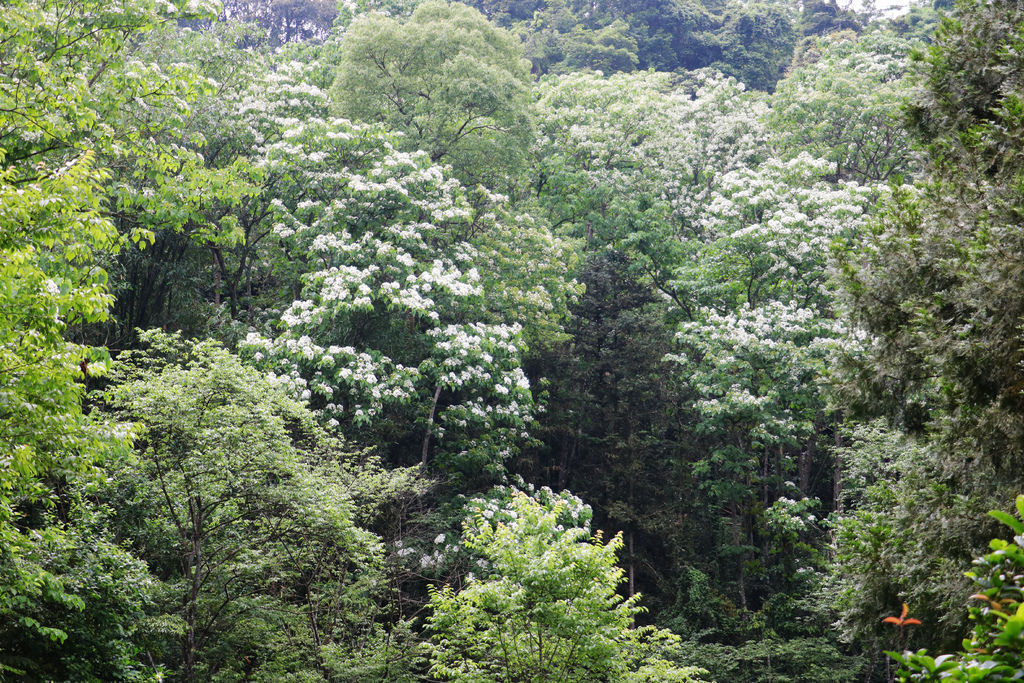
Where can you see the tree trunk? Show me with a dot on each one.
(741, 583)
(837, 473)
(805, 463)
(194, 568)
(216, 281)
(425, 454)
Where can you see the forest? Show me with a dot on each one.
(518, 340)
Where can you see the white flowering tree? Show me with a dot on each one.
(448, 558)
(631, 160)
(846, 105)
(755, 351)
(766, 234)
(391, 328)
(385, 258)
(215, 259)
(642, 133)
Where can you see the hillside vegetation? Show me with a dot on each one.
(524, 340)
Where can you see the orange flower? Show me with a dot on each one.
(902, 619)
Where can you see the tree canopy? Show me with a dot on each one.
(453, 83)
(525, 340)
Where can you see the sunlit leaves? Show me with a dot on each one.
(68, 77)
(544, 607)
(240, 504)
(50, 232)
(453, 83)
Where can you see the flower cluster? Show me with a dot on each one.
(392, 309)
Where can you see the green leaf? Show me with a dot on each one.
(1008, 520)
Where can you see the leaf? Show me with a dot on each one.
(1008, 520)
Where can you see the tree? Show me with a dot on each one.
(65, 81)
(285, 21)
(903, 533)
(612, 430)
(608, 50)
(87, 77)
(51, 233)
(71, 95)
(211, 208)
(240, 506)
(671, 35)
(89, 586)
(727, 249)
(993, 653)
(545, 608)
(822, 17)
(846, 107)
(937, 291)
(937, 294)
(764, 317)
(51, 230)
(755, 44)
(454, 84)
(630, 161)
(752, 354)
(391, 330)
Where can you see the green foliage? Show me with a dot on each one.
(995, 650)
(752, 42)
(822, 17)
(936, 293)
(68, 78)
(99, 605)
(939, 282)
(845, 107)
(904, 535)
(69, 92)
(756, 44)
(652, 299)
(920, 21)
(445, 557)
(242, 507)
(713, 232)
(63, 86)
(609, 50)
(776, 660)
(611, 422)
(284, 22)
(50, 232)
(392, 319)
(543, 609)
(454, 84)
(87, 76)
(671, 35)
